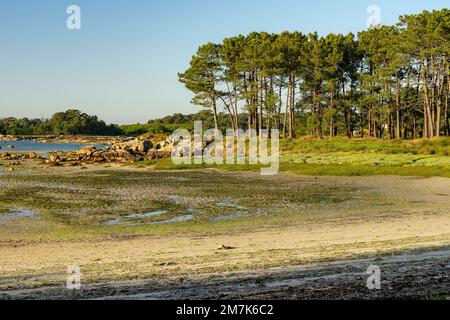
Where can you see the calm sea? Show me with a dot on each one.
(42, 148)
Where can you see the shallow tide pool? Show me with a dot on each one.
(132, 217)
(17, 213)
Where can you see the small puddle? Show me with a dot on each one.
(229, 204)
(135, 216)
(17, 214)
(151, 214)
(173, 220)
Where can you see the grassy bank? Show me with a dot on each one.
(345, 157)
(437, 146)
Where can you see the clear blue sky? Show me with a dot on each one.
(123, 64)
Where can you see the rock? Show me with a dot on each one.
(110, 155)
(160, 145)
(167, 148)
(99, 159)
(118, 146)
(128, 146)
(123, 154)
(144, 146)
(11, 169)
(86, 151)
(53, 158)
(133, 146)
(174, 141)
(74, 158)
(10, 147)
(158, 154)
(32, 155)
(151, 154)
(224, 247)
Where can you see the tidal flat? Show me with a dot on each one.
(239, 223)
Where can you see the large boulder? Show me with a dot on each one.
(124, 153)
(53, 158)
(161, 145)
(6, 156)
(144, 146)
(174, 141)
(134, 145)
(117, 146)
(86, 151)
(110, 155)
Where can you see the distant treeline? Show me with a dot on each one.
(75, 122)
(70, 122)
(386, 82)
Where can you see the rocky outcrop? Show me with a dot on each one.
(138, 149)
(127, 151)
(19, 156)
(9, 138)
(144, 146)
(160, 145)
(54, 158)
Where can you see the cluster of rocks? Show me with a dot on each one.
(8, 138)
(19, 156)
(80, 139)
(129, 151)
(139, 149)
(15, 157)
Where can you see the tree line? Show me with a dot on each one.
(387, 82)
(75, 122)
(70, 122)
